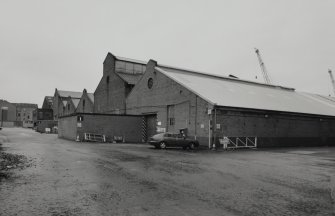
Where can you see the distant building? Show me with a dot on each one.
(7, 113)
(70, 106)
(24, 114)
(42, 114)
(64, 102)
(86, 103)
(119, 77)
(48, 102)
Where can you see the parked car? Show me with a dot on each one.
(164, 140)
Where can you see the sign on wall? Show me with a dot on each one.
(161, 130)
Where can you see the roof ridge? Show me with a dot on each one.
(224, 77)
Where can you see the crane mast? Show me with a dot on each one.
(263, 68)
(332, 79)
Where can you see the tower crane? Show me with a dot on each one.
(332, 79)
(264, 70)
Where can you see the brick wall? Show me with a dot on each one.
(56, 105)
(89, 106)
(10, 113)
(128, 127)
(275, 129)
(190, 111)
(67, 127)
(109, 96)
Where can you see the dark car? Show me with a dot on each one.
(164, 140)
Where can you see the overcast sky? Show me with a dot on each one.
(62, 44)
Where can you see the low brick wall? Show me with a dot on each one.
(129, 127)
(43, 124)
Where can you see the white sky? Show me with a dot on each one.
(62, 44)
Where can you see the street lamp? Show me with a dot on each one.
(2, 109)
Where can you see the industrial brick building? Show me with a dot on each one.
(119, 77)
(65, 102)
(48, 102)
(208, 107)
(7, 113)
(86, 103)
(24, 114)
(212, 107)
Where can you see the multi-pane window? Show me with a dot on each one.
(128, 67)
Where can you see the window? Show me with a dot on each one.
(171, 121)
(68, 107)
(150, 83)
(107, 80)
(84, 105)
(19, 114)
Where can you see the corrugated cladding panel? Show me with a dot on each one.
(245, 94)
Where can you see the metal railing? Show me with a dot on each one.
(89, 137)
(238, 142)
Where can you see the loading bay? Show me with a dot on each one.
(70, 178)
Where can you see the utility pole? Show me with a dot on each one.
(332, 79)
(266, 76)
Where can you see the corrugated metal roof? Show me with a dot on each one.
(130, 60)
(230, 92)
(130, 78)
(72, 94)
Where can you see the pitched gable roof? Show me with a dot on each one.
(232, 92)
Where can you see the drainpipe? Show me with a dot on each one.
(196, 117)
(214, 129)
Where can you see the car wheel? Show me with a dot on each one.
(162, 145)
(156, 146)
(192, 146)
(184, 147)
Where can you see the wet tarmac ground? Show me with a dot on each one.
(69, 178)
